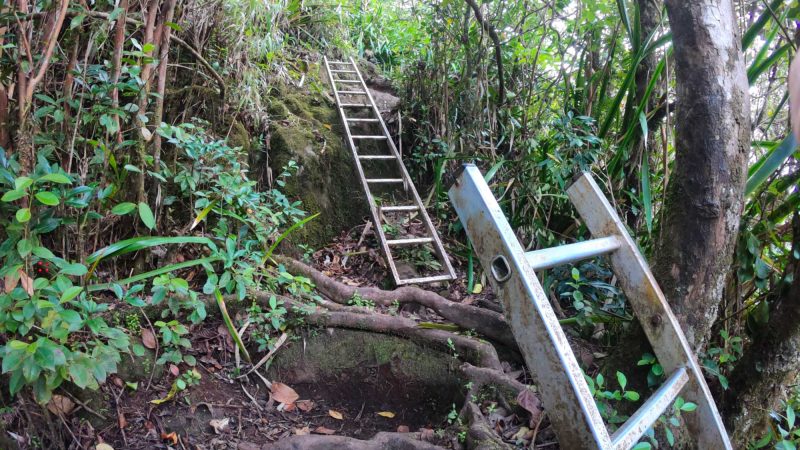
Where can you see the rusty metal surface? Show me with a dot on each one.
(567, 399)
(652, 310)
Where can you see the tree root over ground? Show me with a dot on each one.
(483, 368)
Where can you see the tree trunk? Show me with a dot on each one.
(705, 195)
(758, 384)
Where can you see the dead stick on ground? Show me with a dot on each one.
(269, 355)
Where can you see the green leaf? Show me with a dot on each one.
(229, 323)
(146, 214)
(622, 380)
(24, 247)
(770, 162)
(23, 215)
(632, 396)
(47, 198)
(76, 21)
(80, 374)
(642, 446)
(688, 407)
(75, 269)
(10, 196)
(54, 178)
(22, 183)
(123, 208)
(70, 293)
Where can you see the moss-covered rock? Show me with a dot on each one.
(306, 128)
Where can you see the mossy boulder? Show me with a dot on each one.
(306, 128)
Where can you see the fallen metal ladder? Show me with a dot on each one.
(359, 100)
(560, 380)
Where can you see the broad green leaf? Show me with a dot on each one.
(54, 178)
(75, 269)
(47, 198)
(23, 215)
(688, 407)
(24, 247)
(10, 196)
(123, 208)
(70, 293)
(146, 214)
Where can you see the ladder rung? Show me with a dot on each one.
(338, 62)
(376, 137)
(354, 105)
(410, 241)
(399, 208)
(551, 257)
(343, 71)
(356, 119)
(421, 280)
(351, 93)
(347, 81)
(633, 429)
(377, 157)
(384, 180)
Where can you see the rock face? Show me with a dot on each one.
(306, 128)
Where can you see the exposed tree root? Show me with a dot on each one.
(381, 441)
(488, 323)
(477, 351)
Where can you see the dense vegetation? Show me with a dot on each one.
(146, 183)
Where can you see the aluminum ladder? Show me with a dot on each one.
(560, 380)
(351, 94)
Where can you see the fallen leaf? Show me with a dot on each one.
(146, 134)
(148, 339)
(530, 401)
(103, 446)
(387, 414)
(220, 426)
(403, 429)
(174, 370)
(323, 430)
(301, 431)
(335, 414)
(305, 405)
(283, 393)
(477, 289)
(60, 405)
(121, 421)
(173, 437)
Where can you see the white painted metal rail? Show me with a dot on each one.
(562, 387)
(345, 74)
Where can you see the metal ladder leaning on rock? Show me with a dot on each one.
(560, 380)
(357, 109)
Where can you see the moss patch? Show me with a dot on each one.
(306, 129)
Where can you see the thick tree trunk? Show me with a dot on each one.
(705, 195)
(771, 363)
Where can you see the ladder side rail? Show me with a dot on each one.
(438, 246)
(651, 307)
(376, 219)
(544, 346)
